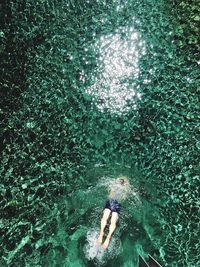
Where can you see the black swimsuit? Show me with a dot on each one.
(113, 205)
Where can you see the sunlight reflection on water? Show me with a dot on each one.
(115, 87)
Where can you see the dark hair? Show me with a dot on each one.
(122, 181)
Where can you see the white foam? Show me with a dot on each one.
(110, 182)
(93, 251)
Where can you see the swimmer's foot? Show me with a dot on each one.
(106, 243)
(99, 241)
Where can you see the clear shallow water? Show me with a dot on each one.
(83, 211)
(91, 91)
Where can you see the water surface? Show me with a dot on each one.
(92, 90)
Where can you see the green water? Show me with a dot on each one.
(91, 90)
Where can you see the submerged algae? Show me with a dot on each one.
(53, 132)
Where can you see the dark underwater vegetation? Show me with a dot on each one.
(90, 90)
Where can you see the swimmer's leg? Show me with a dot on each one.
(112, 227)
(104, 219)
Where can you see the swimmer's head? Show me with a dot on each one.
(123, 180)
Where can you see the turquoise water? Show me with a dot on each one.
(92, 90)
(76, 234)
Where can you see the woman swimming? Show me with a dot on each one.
(118, 191)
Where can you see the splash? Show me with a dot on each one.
(93, 249)
(110, 182)
(94, 252)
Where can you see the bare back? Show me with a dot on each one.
(118, 191)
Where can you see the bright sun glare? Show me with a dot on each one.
(114, 88)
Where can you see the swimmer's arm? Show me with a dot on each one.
(109, 188)
(126, 193)
(110, 191)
